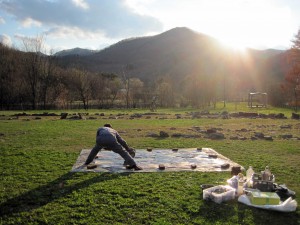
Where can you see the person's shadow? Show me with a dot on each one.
(45, 194)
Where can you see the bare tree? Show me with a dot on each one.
(165, 91)
(32, 64)
(48, 79)
(136, 91)
(126, 80)
(82, 86)
(114, 87)
(6, 76)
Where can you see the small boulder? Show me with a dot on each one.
(259, 135)
(295, 116)
(225, 166)
(268, 138)
(193, 166)
(161, 167)
(63, 116)
(152, 135)
(216, 136)
(286, 136)
(163, 134)
(288, 126)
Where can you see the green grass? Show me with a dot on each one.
(36, 157)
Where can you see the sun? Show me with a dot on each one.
(242, 24)
(234, 44)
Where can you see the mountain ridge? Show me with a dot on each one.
(75, 51)
(180, 53)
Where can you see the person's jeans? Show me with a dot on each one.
(110, 142)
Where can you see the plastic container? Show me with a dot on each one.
(233, 182)
(264, 198)
(261, 184)
(219, 193)
(240, 189)
(266, 174)
(249, 173)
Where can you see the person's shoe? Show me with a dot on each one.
(135, 167)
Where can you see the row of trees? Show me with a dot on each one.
(292, 78)
(32, 80)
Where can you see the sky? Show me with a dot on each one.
(96, 24)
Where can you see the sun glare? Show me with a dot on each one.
(236, 45)
(237, 24)
(243, 24)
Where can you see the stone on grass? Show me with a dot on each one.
(193, 166)
(161, 167)
(211, 130)
(81, 116)
(177, 135)
(163, 134)
(152, 135)
(63, 116)
(268, 138)
(259, 135)
(225, 166)
(286, 136)
(242, 138)
(288, 126)
(235, 170)
(216, 136)
(295, 116)
(91, 166)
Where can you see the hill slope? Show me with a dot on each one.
(178, 53)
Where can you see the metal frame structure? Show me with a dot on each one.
(257, 99)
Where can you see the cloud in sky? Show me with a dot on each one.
(5, 40)
(95, 24)
(113, 18)
(2, 21)
(81, 4)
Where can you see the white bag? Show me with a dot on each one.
(288, 205)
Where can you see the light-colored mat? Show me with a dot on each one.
(185, 159)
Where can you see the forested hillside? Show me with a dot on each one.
(178, 67)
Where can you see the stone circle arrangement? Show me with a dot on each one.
(158, 160)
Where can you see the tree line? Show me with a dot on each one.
(33, 80)
(291, 86)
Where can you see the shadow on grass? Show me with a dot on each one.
(45, 194)
(213, 212)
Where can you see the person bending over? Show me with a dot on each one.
(109, 138)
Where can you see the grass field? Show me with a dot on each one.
(37, 154)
